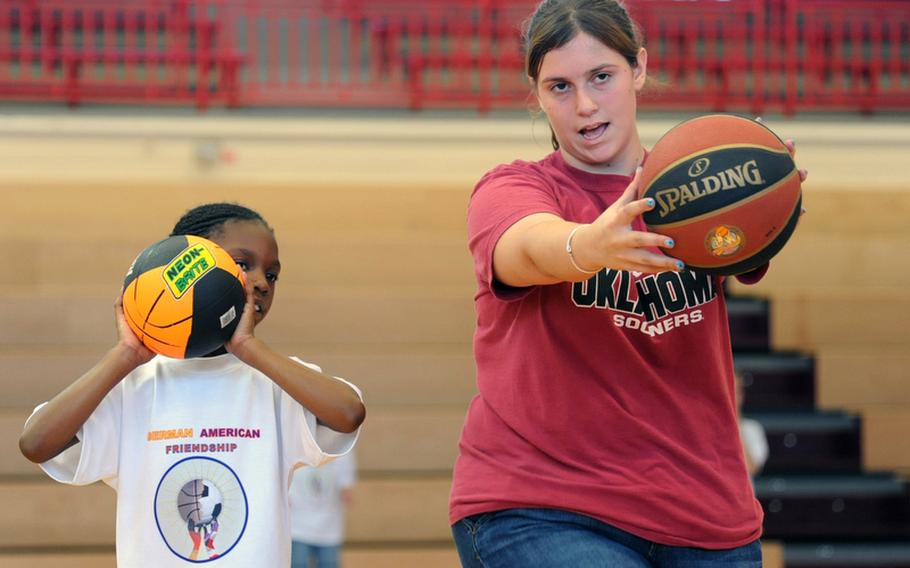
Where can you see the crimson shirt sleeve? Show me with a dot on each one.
(500, 199)
(754, 275)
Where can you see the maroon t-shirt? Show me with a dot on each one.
(611, 397)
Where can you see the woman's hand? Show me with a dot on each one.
(791, 147)
(535, 250)
(803, 173)
(610, 241)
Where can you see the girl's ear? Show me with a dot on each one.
(640, 72)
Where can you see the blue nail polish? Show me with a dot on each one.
(680, 265)
(650, 202)
(670, 243)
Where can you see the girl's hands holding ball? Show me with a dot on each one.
(126, 338)
(245, 328)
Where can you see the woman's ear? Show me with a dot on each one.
(640, 72)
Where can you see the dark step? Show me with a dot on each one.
(847, 554)
(839, 507)
(749, 329)
(776, 382)
(811, 442)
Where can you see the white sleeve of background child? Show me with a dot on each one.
(755, 441)
(96, 455)
(307, 442)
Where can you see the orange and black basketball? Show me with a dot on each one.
(726, 190)
(183, 296)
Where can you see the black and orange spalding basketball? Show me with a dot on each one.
(183, 296)
(726, 190)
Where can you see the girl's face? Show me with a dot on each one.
(253, 246)
(588, 92)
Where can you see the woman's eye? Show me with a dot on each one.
(559, 87)
(601, 77)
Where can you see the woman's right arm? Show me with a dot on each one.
(53, 428)
(533, 250)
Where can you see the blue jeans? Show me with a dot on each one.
(312, 556)
(550, 538)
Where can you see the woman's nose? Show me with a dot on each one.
(585, 104)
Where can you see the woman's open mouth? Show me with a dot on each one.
(594, 131)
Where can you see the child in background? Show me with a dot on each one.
(200, 451)
(319, 499)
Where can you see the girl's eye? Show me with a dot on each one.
(242, 264)
(271, 277)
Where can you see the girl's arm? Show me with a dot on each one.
(53, 428)
(533, 250)
(333, 402)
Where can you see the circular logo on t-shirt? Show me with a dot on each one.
(200, 509)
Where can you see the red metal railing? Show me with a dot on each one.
(152, 51)
(750, 55)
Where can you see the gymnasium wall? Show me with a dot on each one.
(377, 283)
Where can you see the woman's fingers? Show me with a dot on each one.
(651, 263)
(626, 249)
(630, 211)
(643, 239)
(791, 147)
(635, 251)
(631, 192)
(638, 256)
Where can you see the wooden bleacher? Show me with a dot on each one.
(377, 287)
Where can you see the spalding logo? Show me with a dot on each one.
(699, 167)
(737, 177)
(724, 240)
(187, 268)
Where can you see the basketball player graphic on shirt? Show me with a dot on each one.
(200, 504)
(201, 498)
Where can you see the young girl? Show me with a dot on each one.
(200, 451)
(605, 429)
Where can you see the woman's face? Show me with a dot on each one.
(588, 92)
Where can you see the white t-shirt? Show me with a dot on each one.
(317, 509)
(201, 453)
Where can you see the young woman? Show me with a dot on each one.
(605, 429)
(200, 451)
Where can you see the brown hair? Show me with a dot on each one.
(556, 22)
